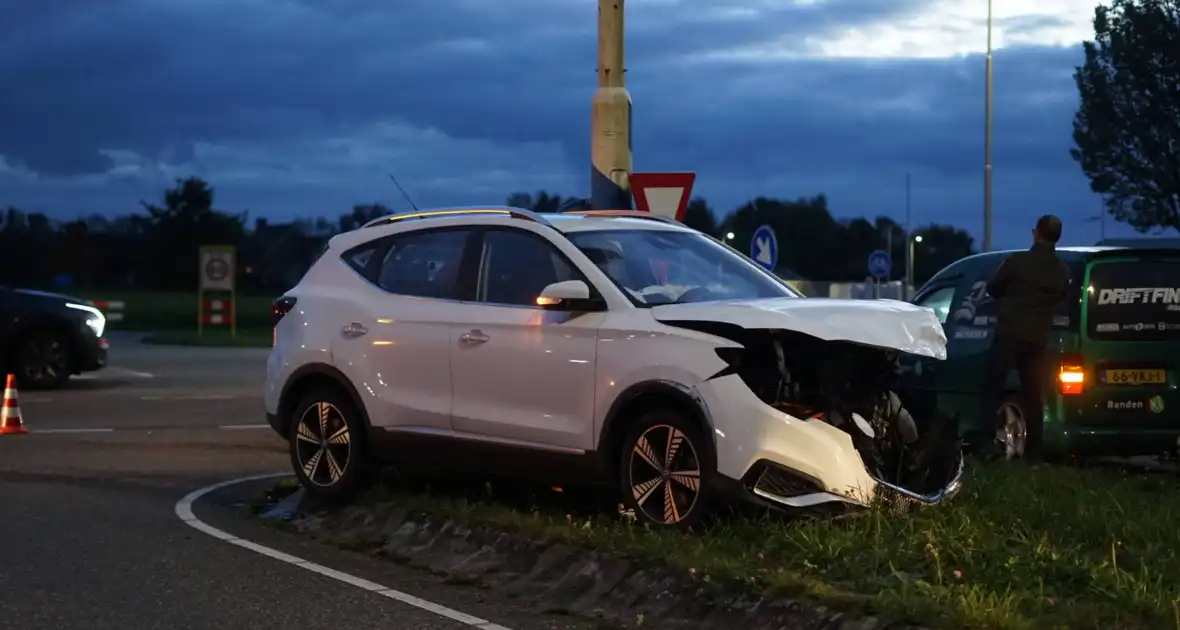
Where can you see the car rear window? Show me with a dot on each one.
(1134, 300)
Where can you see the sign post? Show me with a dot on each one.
(764, 248)
(216, 267)
(665, 194)
(880, 264)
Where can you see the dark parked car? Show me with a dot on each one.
(1113, 373)
(45, 337)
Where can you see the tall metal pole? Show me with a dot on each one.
(909, 270)
(909, 227)
(610, 123)
(987, 140)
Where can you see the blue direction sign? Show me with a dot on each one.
(880, 263)
(764, 247)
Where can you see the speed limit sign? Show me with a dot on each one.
(216, 268)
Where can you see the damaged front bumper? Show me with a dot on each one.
(794, 463)
(783, 487)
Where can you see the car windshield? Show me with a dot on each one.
(655, 267)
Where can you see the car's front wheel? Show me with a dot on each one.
(664, 461)
(1012, 433)
(41, 360)
(327, 444)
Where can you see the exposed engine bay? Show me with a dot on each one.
(853, 387)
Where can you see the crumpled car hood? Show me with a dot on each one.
(881, 323)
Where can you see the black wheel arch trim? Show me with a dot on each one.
(688, 395)
(322, 370)
(44, 321)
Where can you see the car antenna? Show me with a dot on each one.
(403, 192)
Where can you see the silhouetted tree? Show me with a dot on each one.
(177, 229)
(699, 216)
(1127, 127)
(540, 201)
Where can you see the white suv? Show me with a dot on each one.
(609, 347)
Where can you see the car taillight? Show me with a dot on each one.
(1071, 376)
(281, 307)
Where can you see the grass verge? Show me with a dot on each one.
(245, 339)
(1019, 548)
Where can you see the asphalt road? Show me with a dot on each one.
(90, 538)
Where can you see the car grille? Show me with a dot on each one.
(781, 483)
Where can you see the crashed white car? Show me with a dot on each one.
(607, 347)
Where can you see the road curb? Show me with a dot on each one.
(184, 511)
(552, 576)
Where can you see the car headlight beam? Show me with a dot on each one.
(95, 320)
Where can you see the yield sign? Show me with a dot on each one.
(665, 194)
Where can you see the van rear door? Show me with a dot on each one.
(1131, 342)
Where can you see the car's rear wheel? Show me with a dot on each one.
(327, 444)
(42, 360)
(1012, 433)
(664, 464)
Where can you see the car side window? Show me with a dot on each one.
(423, 264)
(516, 266)
(940, 300)
(358, 257)
(976, 309)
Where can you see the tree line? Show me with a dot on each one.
(812, 243)
(156, 248)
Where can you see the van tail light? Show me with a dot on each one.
(1071, 375)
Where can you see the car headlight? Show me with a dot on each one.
(95, 320)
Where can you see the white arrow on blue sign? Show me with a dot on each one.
(880, 263)
(764, 247)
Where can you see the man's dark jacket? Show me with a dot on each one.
(1028, 286)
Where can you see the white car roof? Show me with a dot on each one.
(567, 222)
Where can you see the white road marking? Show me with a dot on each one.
(111, 371)
(71, 431)
(184, 511)
(129, 372)
(205, 397)
(224, 427)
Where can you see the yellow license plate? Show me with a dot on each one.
(1136, 377)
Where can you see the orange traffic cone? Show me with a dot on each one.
(10, 420)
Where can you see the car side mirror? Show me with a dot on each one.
(564, 295)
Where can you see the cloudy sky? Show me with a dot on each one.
(300, 107)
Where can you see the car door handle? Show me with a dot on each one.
(353, 330)
(474, 337)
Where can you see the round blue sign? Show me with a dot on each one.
(764, 247)
(880, 263)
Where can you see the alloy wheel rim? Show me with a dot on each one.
(323, 444)
(44, 360)
(665, 475)
(1013, 433)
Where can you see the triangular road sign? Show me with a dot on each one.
(665, 194)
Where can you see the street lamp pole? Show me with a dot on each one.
(987, 140)
(909, 268)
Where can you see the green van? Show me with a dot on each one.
(1113, 374)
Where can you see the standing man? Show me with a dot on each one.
(1027, 287)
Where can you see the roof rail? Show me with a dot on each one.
(515, 213)
(631, 214)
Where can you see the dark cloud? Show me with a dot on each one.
(309, 78)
